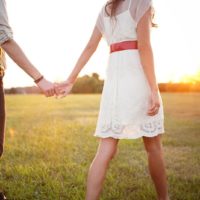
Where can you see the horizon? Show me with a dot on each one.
(54, 40)
(102, 79)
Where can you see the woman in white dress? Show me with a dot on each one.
(131, 105)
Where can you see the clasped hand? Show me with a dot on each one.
(55, 89)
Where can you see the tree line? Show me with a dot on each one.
(92, 84)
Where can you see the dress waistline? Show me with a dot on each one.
(125, 45)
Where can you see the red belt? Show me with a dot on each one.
(123, 46)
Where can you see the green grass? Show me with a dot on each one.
(50, 145)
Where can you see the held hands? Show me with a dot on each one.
(154, 103)
(59, 90)
(63, 89)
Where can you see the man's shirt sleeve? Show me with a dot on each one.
(5, 29)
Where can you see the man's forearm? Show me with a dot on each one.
(18, 56)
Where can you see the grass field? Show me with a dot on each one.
(49, 147)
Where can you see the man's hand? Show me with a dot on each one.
(47, 87)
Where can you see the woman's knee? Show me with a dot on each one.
(107, 149)
(153, 145)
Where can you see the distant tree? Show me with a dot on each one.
(88, 84)
(95, 75)
(13, 91)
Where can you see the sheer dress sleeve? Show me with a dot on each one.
(100, 21)
(138, 8)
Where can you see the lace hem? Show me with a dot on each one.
(117, 130)
(133, 136)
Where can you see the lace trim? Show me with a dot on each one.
(114, 127)
(151, 127)
(147, 127)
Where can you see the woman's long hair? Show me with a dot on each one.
(111, 8)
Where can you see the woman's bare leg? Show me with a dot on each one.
(97, 172)
(154, 151)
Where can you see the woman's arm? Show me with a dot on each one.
(65, 87)
(146, 55)
(86, 54)
(145, 49)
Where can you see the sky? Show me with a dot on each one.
(53, 34)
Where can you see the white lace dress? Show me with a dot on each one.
(125, 96)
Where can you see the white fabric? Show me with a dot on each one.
(136, 9)
(125, 96)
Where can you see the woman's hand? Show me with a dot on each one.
(63, 88)
(154, 103)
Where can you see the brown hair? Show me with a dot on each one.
(111, 8)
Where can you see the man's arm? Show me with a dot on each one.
(17, 55)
